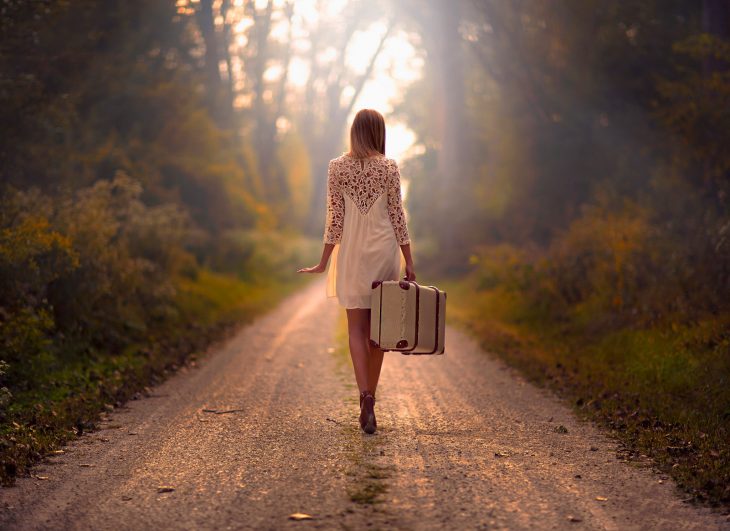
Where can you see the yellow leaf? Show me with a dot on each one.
(300, 516)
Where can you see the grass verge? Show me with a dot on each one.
(66, 401)
(663, 392)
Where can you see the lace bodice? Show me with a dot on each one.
(346, 175)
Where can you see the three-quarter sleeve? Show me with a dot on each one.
(395, 205)
(335, 208)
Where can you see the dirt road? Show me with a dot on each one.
(266, 426)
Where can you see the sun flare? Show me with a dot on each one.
(397, 64)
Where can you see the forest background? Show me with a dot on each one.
(163, 170)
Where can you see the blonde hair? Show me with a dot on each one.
(367, 134)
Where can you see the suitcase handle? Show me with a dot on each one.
(414, 282)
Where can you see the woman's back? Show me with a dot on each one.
(363, 181)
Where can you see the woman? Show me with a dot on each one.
(365, 220)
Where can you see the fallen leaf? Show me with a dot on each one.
(572, 518)
(165, 488)
(58, 452)
(221, 411)
(300, 516)
(601, 498)
(41, 477)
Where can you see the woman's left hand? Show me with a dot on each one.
(319, 268)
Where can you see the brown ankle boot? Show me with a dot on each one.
(367, 412)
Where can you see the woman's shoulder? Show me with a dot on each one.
(387, 161)
(339, 159)
(334, 164)
(391, 164)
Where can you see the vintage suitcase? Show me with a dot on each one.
(407, 317)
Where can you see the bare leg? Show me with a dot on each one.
(357, 320)
(375, 361)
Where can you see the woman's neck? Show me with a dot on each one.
(349, 154)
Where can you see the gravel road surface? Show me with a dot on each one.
(265, 426)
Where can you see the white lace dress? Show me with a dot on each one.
(365, 220)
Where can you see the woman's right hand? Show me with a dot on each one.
(319, 268)
(410, 272)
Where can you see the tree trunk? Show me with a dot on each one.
(230, 90)
(213, 78)
(715, 21)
